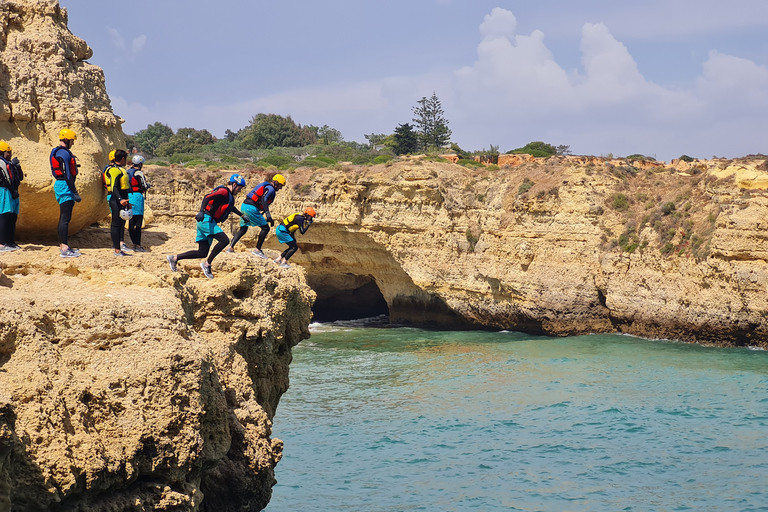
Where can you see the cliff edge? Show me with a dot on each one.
(124, 386)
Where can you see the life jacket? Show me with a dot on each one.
(59, 165)
(257, 195)
(290, 222)
(134, 182)
(6, 173)
(115, 172)
(219, 212)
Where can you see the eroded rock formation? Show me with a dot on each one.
(124, 386)
(559, 247)
(46, 84)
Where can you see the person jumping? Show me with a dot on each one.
(255, 209)
(216, 207)
(285, 233)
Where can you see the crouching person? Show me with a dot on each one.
(299, 221)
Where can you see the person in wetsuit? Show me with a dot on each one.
(118, 187)
(10, 178)
(299, 221)
(139, 186)
(255, 208)
(216, 207)
(64, 168)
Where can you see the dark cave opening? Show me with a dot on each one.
(348, 303)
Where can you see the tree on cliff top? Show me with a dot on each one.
(149, 139)
(405, 140)
(185, 140)
(268, 131)
(431, 126)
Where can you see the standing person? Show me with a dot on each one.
(10, 177)
(138, 187)
(118, 187)
(286, 229)
(255, 208)
(216, 207)
(64, 169)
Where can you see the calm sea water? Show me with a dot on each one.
(401, 419)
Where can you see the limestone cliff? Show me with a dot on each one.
(126, 387)
(558, 246)
(46, 84)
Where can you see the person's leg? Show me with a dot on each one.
(292, 248)
(134, 229)
(262, 236)
(65, 215)
(118, 225)
(203, 247)
(222, 240)
(12, 229)
(240, 232)
(4, 223)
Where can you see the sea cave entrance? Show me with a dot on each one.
(346, 297)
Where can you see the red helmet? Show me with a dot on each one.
(310, 211)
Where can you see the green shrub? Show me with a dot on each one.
(469, 163)
(685, 158)
(472, 239)
(276, 160)
(382, 159)
(525, 186)
(668, 208)
(620, 201)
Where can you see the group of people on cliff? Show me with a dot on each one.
(125, 194)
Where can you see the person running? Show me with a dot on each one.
(10, 177)
(118, 187)
(64, 169)
(216, 207)
(139, 186)
(285, 233)
(255, 209)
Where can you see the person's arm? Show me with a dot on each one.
(304, 226)
(19, 173)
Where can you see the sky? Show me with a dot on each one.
(660, 78)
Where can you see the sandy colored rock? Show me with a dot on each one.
(447, 245)
(124, 386)
(46, 84)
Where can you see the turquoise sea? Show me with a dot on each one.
(403, 419)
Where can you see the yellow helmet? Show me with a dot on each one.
(4, 146)
(67, 134)
(112, 155)
(279, 178)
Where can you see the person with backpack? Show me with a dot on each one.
(10, 177)
(285, 233)
(216, 207)
(138, 187)
(118, 186)
(64, 168)
(255, 209)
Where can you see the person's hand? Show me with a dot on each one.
(124, 202)
(199, 217)
(77, 198)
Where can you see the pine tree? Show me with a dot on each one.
(406, 140)
(432, 127)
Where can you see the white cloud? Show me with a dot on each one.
(116, 38)
(516, 92)
(138, 43)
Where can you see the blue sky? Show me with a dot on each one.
(657, 77)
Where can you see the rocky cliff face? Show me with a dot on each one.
(562, 246)
(124, 386)
(46, 84)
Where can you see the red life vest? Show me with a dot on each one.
(59, 165)
(219, 203)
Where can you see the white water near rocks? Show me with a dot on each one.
(401, 419)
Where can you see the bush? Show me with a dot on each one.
(685, 158)
(469, 163)
(620, 201)
(382, 159)
(537, 149)
(525, 186)
(668, 208)
(276, 161)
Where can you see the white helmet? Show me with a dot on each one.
(126, 214)
(138, 160)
